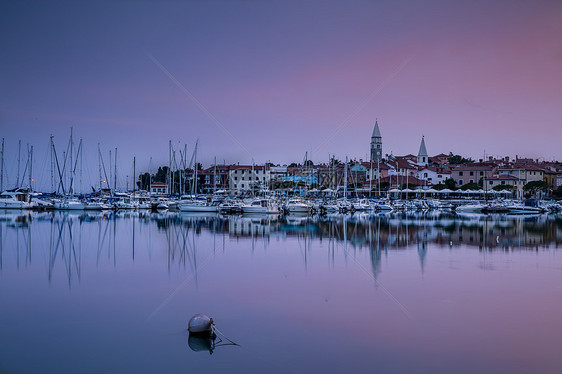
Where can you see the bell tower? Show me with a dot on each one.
(376, 144)
(423, 159)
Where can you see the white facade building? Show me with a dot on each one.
(241, 178)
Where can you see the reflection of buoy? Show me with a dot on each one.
(200, 324)
(199, 343)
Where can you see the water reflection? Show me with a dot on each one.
(64, 237)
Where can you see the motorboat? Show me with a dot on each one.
(297, 206)
(261, 205)
(198, 205)
(15, 200)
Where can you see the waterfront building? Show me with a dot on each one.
(505, 180)
(433, 174)
(471, 173)
(242, 178)
(159, 188)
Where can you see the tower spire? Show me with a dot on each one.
(376, 143)
(422, 154)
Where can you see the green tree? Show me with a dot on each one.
(558, 192)
(470, 186)
(143, 183)
(450, 183)
(161, 174)
(458, 159)
(535, 186)
(502, 187)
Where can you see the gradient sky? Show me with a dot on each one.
(282, 77)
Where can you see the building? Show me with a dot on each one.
(440, 159)
(159, 188)
(505, 180)
(526, 172)
(423, 158)
(376, 144)
(469, 173)
(433, 174)
(242, 178)
(213, 179)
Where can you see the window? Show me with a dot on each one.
(481, 173)
(471, 181)
(490, 182)
(503, 182)
(471, 173)
(460, 182)
(439, 176)
(460, 173)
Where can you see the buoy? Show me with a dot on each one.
(200, 324)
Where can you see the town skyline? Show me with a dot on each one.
(271, 82)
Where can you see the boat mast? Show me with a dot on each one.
(169, 176)
(2, 168)
(19, 152)
(52, 166)
(379, 176)
(215, 177)
(370, 178)
(81, 162)
(99, 166)
(195, 164)
(115, 176)
(71, 190)
(345, 179)
(134, 175)
(30, 168)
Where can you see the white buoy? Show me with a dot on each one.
(199, 324)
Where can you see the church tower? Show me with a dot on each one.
(376, 144)
(423, 159)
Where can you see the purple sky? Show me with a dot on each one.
(282, 78)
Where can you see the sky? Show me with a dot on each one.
(272, 80)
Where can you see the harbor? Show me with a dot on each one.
(280, 187)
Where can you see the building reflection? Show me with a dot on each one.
(118, 235)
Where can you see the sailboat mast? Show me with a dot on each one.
(115, 175)
(169, 176)
(52, 166)
(99, 165)
(30, 168)
(134, 175)
(81, 163)
(345, 179)
(2, 168)
(195, 181)
(215, 177)
(71, 166)
(19, 154)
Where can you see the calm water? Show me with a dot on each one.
(390, 293)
